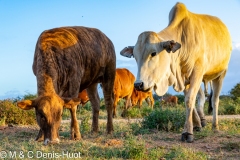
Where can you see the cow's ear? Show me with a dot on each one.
(127, 51)
(170, 46)
(25, 104)
(69, 103)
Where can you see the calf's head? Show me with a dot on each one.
(153, 57)
(48, 109)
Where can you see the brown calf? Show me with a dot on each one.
(138, 96)
(173, 100)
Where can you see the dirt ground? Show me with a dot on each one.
(215, 146)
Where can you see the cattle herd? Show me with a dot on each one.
(70, 62)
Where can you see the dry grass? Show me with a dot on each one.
(126, 144)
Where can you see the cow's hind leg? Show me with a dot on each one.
(108, 83)
(217, 86)
(95, 102)
(200, 106)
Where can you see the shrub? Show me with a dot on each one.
(180, 98)
(15, 115)
(136, 112)
(167, 119)
(85, 126)
(228, 106)
(235, 91)
(132, 113)
(30, 96)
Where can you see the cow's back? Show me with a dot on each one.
(73, 55)
(205, 41)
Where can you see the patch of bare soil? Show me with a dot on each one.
(215, 146)
(13, 129)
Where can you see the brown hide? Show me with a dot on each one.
(138, 96)
(123, 87)
(68, 60)
(83, 96)
(170, 100)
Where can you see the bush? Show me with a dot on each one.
(167, 119)
(136, 112)
(85, 126)
(228, 106)
(14, 115)
(29, 96)
(132, 113)
(235, 91)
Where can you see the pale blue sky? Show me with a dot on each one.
(121, 20)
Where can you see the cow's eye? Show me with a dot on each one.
(153, 54)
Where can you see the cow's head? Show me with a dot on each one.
(153, 57)
(48, 109)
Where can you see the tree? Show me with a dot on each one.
(235, 91)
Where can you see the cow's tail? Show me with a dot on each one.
(210, 108)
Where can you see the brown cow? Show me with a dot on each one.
(123, 87)
(173, 100)
(138, 96)
(83, 96)
(68, 60)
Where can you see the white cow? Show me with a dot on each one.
(192, 49)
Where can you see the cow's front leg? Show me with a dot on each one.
(187, 134)
(40, 136)
(75, 133)
(190, 99)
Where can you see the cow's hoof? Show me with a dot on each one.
(197, 129)
(203, 122)
(110, 131)
(187, 137)
(76, 136)
(39, 139)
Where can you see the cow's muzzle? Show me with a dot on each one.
(138, 86)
